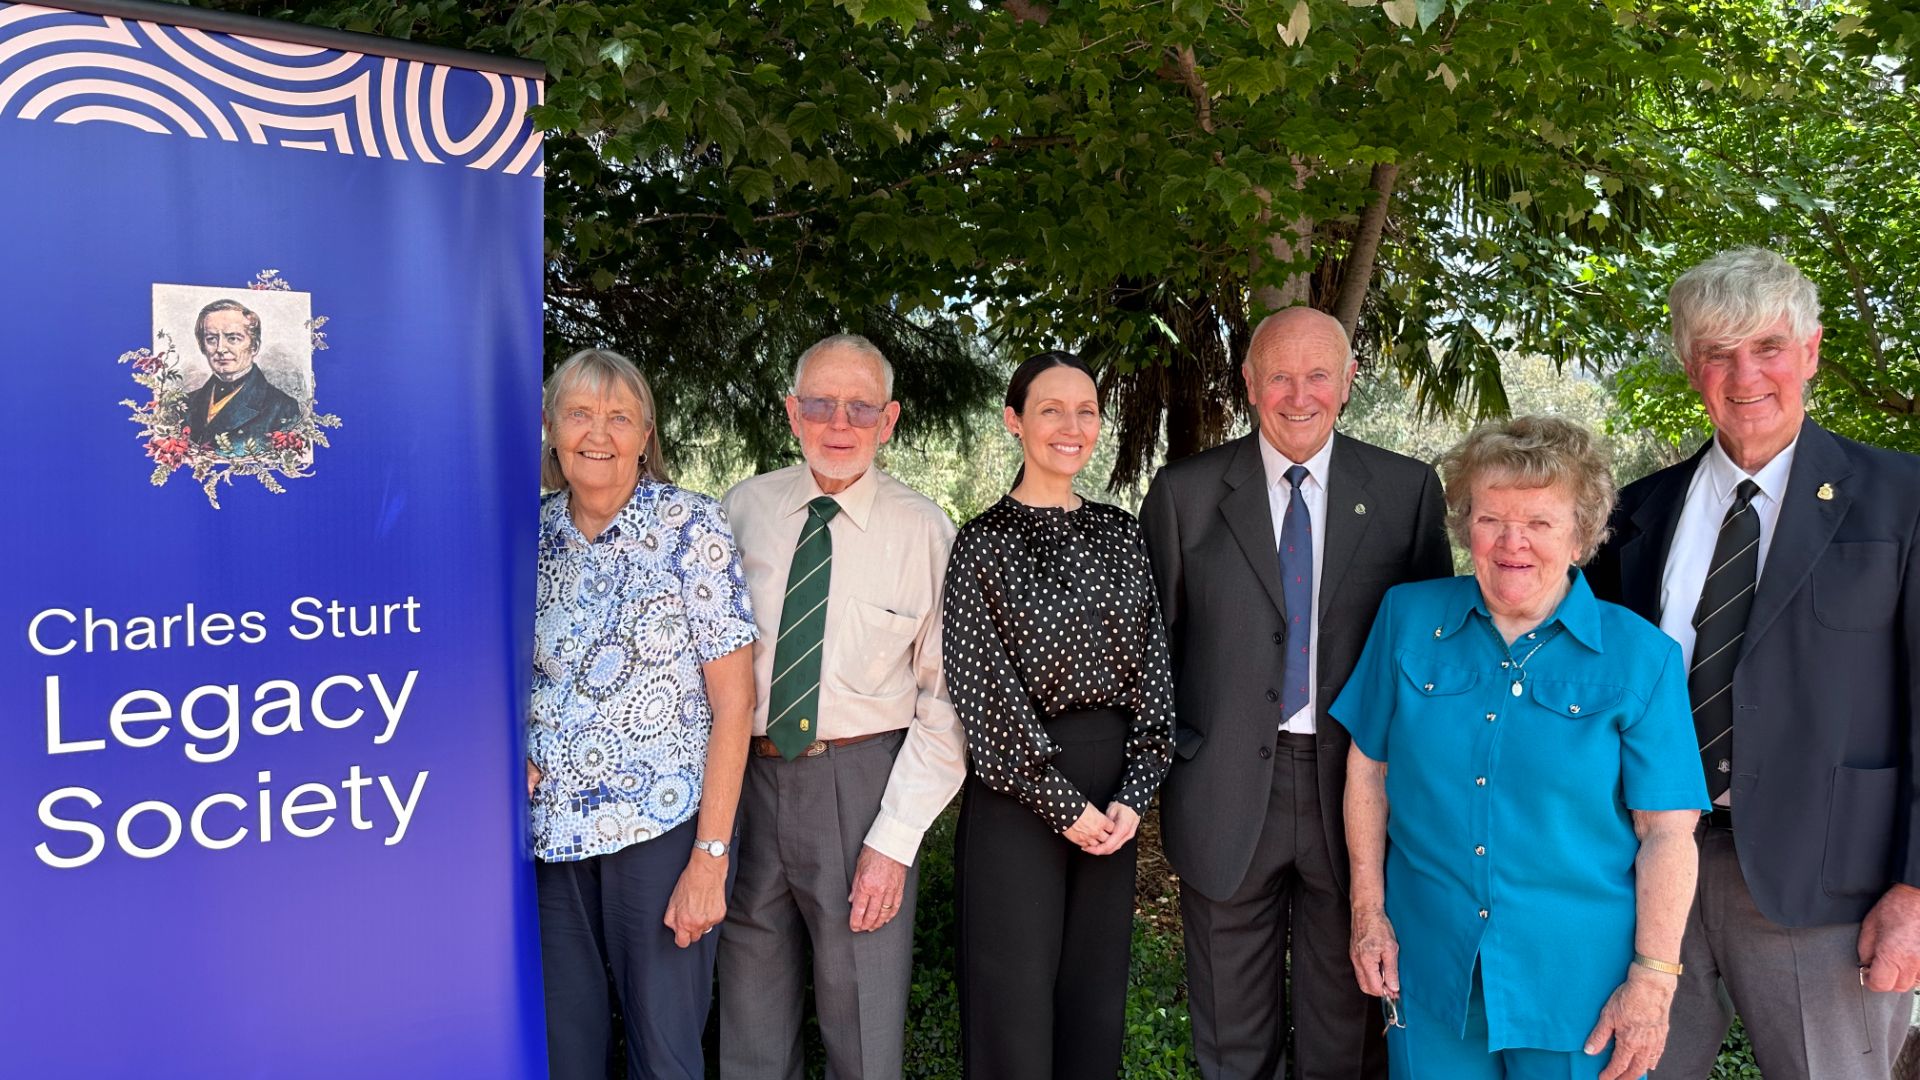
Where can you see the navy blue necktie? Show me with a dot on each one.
(1296, 586)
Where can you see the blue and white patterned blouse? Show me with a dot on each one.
(620, 716)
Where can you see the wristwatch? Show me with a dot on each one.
(715, 848)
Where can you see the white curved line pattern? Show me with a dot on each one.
(109, 113)
(72, 68)
(60, 92)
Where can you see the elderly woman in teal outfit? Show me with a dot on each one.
(1522, 789)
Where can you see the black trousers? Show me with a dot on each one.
(605, 915)
(1045, 929)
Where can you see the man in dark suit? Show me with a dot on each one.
(1786, 562)
(237, 401)
(1271, 554)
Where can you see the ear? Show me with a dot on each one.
(889, 417)
(1346, 388)
(1246, 376)
(1813, 352)
(1011, 419)
(793, 415)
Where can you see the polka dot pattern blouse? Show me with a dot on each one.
(1049, 611)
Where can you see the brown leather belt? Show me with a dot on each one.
(764, 747)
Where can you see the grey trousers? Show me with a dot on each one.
(1237, 951)
(803, 823)
(1797, 989)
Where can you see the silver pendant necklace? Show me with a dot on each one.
(1518, 667)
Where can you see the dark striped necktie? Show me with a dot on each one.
(1719, 624)
(793, 701)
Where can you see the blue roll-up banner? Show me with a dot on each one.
(272, 313)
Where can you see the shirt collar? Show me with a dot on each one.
(1723, 475)
(1277, 463)
(1578, 613)
(559, 530)
(856, 502)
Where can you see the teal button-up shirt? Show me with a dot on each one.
(1510, 774)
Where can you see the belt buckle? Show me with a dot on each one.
(819, 747)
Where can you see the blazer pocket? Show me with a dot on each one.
(1856, 585)
(1186, 741)
(1860, 827)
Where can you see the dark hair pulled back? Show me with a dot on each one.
(1030, 369)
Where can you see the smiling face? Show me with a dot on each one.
(1298, 376)
(1523, 541)
(597, 437)
(838, 450)
(1059, 423)
(227, 341)
(1755, 389)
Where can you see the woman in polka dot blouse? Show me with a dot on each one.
(1056, 660)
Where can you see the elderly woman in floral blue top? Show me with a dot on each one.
(642, 708)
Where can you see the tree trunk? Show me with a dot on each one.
(1357, 275)
(1292, 243)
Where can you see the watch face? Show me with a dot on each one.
(715, 848)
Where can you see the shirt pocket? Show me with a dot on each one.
(1856, 585)
(1575, 700)
(871, 657)
(1425, 677)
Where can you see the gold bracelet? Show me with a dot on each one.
(1659, 965)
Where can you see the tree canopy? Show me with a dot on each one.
(1456, 180)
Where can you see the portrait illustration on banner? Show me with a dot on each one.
(231, 381)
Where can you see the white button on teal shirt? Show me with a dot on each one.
(1509, 840)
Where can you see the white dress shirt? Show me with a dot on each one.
(880, 658)
(1279, 494)
(1688, 560)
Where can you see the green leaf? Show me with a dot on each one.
(753, 185)
(1430, 10)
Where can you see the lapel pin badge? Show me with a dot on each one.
(1359, 508)
(1825, 494)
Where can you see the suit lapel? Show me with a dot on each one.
(1250, 517)
(1807, 524)
(1643, 556)
(1346, 524)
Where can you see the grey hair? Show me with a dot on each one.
(597, 372)
(854, 342)
(1533, 452)
(1739, 293)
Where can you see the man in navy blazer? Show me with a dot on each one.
(1807, 915)
(237, 401)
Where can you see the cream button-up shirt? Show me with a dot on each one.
(880, 666)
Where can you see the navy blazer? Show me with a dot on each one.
(1209, 530)
(1826, 688)
(257, 409)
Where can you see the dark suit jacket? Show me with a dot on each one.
(1824, 695)
(258, 407)
(1210, 538)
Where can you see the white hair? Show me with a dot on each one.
(853, 342)
(1737, 294)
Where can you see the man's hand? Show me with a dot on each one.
(879, 884)
(1890, 941)
(533, 777)
(1375, 953)
(1635, 1018)
(1125, 822)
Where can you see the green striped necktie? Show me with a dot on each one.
(793, 704)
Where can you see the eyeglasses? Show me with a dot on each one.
(820, 410)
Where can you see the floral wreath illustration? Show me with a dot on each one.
(163, 420)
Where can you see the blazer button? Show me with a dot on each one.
(1271, 696)
(1266, 752)
(1279, 637)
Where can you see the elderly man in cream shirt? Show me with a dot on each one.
(855, 748)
